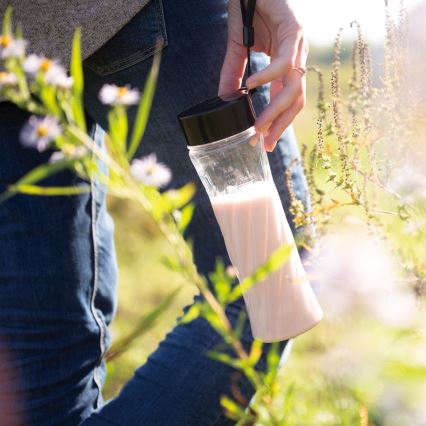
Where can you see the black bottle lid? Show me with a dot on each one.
(218, 118)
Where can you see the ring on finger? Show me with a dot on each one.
(300, 70)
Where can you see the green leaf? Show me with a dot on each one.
(145, 324)
(48, 96)
(275, 261)
(172, 262)
(221, 281)
(45, 170)
(76, 68)
(118, 128)
(233, 410)
(225, 359)
(144, 108)
(255, 352)
(36, 175)
(186, 216)
(7, 21)
(273, 357)
(239, 327)
(50, 190)
(176, 198)
(192, 314)
(215, 321)
(272, 362)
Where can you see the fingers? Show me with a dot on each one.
(275, 88)
(233, 68)
(281, 65)
(282, 101)
(282, 122)
(288, 99)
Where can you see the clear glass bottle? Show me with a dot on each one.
(232, 164)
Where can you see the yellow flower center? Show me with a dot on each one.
(42, 131)
(151, 170)
(5, 40)
(3, 75)
(45, 65)
(122, 91)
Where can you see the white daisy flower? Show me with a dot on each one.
(7, 79)
(10, 47)
(111, 94)
(150, 172)
(53, 72)
(39, 132)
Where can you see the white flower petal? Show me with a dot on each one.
(151, 172)
(56, 156)
(131, 97)
(7, 79)
(231, 271)
(108, 94)
(32, 64)
(63, 81)
(55, 74)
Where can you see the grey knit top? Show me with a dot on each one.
(49, 25)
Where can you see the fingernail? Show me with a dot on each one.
(261, 130)
(268, 144)
(253, 140)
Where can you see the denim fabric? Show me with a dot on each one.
(57, 262)
(57, 291)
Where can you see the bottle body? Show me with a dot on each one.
(237, 177)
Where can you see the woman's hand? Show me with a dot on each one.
(277, 33)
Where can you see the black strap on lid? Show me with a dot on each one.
(247, 14)
(221, 117)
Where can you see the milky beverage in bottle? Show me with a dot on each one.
(254, 225)
(232, 164)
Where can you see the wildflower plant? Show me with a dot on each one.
(366, 154)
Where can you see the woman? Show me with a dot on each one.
(57, 263)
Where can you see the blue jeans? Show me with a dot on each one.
(57, 260)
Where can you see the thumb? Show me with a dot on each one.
(233, 68)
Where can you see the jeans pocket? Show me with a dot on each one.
(138, 40)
